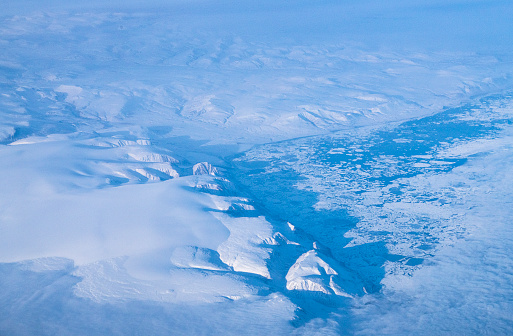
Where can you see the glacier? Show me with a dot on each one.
(262, 167)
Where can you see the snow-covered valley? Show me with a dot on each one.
(201, 168)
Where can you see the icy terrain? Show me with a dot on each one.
(419, 211)
(200, 167)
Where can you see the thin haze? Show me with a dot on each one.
(476, 25)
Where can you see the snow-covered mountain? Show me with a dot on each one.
(266, 167)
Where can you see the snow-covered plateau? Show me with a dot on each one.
(256, 168)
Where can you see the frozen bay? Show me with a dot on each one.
(411, 209)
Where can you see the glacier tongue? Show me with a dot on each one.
(243, 249)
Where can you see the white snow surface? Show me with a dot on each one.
(312, 273)
(118, 118)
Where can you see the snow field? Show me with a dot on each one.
(118, 122)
